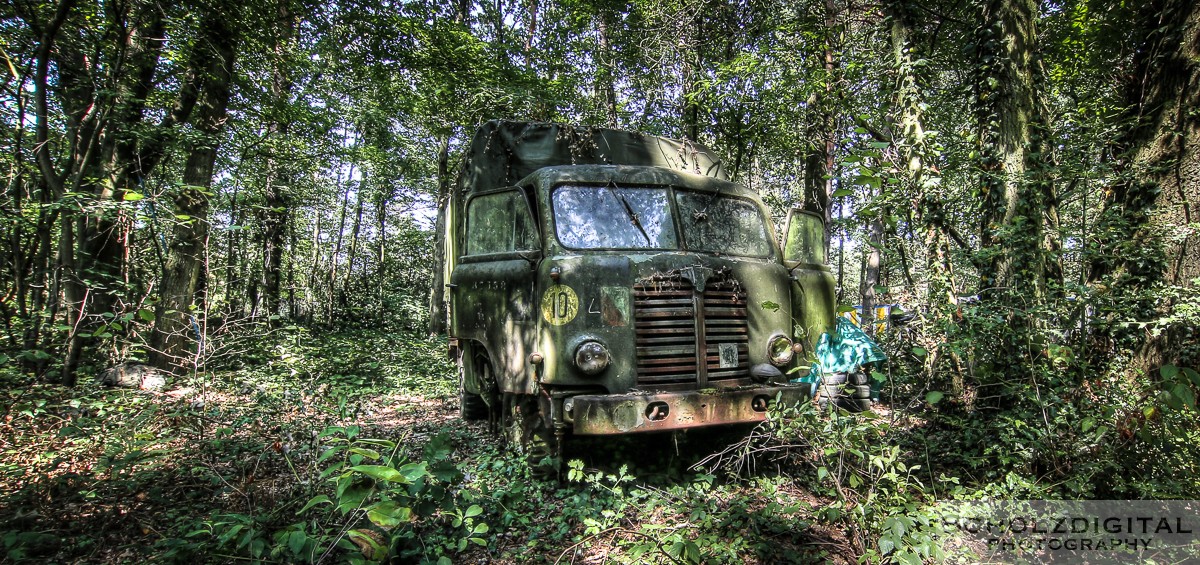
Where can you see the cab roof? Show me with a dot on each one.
(624, 175)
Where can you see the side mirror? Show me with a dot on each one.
(805, 242)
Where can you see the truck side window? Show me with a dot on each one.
(805, 238)
(500, 223)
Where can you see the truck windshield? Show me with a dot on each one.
(721, 224)
(591, 217)
(610, 217)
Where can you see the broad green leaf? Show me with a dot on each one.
(413, 471)
(296, 542)
(380, 473)
(133, 196)
(1185, 395)
(934, 396)
(319, 499)
(388, 514)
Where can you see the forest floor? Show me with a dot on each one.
(349, 448)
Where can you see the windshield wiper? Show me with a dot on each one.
(629, 210)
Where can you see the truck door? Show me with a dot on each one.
(813, 295)
(491, 296)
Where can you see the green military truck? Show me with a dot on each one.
(610, 282)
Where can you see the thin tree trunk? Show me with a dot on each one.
(279, 177)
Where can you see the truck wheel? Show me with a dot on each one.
(860, 377)
(526, 430)
(472, 407)
(476, 365)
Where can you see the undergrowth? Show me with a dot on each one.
(347, 447)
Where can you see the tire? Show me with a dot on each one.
(862, 391)
(828, 379)
(832, 391)
(856, 404)
(860, 378)
(472, 407)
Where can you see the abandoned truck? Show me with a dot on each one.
(609, 282)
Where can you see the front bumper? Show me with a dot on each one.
(631, 413)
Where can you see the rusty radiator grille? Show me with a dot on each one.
(665, 322)
(726, 329)
(673, 323)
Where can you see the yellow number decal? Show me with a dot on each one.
(559, 304)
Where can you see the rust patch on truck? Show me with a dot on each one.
(632, 413)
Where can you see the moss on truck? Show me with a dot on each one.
(610, 282)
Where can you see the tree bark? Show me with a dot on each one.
(1146, 236)
(1015, 185)
(173, 340)
(822, 132)
(279, 177)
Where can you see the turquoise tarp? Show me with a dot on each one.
(846, 348)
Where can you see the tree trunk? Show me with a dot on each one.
(822, 132)
(1015, 184)
(1147, 233)
(174, 339)
(279, 177)
(871, 276)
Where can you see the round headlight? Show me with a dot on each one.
(591, 357)
(779, 349)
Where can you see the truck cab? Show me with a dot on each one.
(614, 298)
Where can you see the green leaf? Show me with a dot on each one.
(414, 471)
(296, 542)
(388, 514)
(366, 453)
(380, 473)
(769, 306)
(1087, 424)
(1185, 395)
(1168, 372)
(919, 351)
(133, 196)
(319, 499)
(146, 314)
(841, 192)
(934, 396)
(473, 511)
